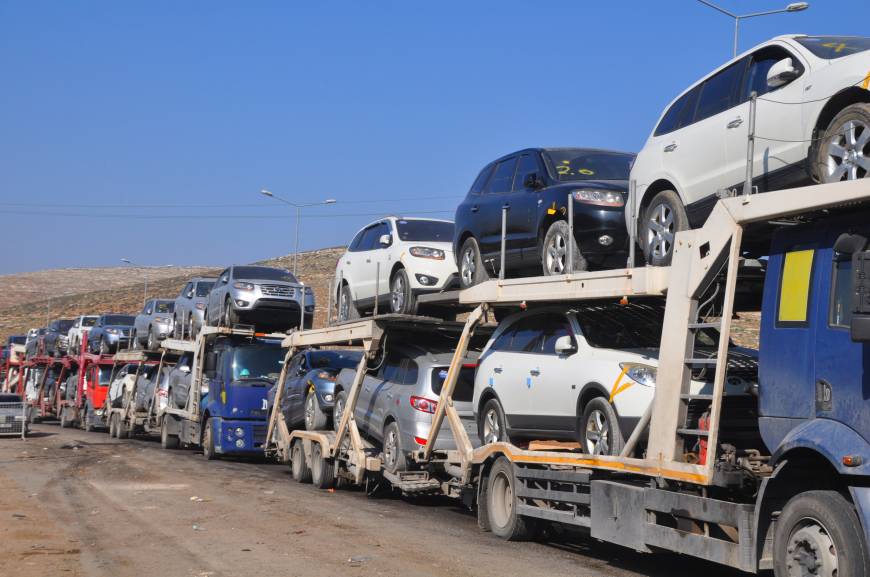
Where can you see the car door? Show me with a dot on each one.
(497, 194)
(373, 391)
(778, 126)
(215, 297)
(143, 318)
(525, 203)
(381, 259)
(183, 305)
(293, 402)
(362, 273)
(346, 266)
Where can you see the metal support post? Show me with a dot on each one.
(504, 211)
(632, 222)
(570, 264)
(329, 303)
(750, 144)
(377, 287)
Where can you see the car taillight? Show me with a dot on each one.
(424, 405)
(421, 441)
(469, 365)
(162, 393)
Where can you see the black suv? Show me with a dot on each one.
(535, 185)
(55, 342)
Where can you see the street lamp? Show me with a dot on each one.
(298, 208)
(793, 7)
(144, 274)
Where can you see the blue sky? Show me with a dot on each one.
(114, 115)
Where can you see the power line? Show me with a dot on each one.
(50, 204)
(215, 216)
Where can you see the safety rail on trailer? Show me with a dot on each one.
(125, 421)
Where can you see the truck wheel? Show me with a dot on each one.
(401, 295)
(818, 533)
(599, 429)
(315, 418)
(491, 424)
(394, 458)
(338, 408)
(64, 419)
(167, 440)
(471, 268)
(298, 465)
(208, 441)
(502, 503)
(554, 253)
(87, 422)
(112, 426)
(346, 308)
(663, 218)
(843, 152)
(121, 429)
(322, 470)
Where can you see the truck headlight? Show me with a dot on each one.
(327, 397)
(640, 373)
(240, 443)
(426, 252)
(240, 432)
(598, 197)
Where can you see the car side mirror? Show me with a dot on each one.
(782, 73)
(385, 240)
(533, 181)
(565, 345)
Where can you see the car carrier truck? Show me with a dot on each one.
(225, 411)
(795, 500)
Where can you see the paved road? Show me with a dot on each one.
(82, 504)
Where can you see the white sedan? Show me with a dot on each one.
(585, 373)
(812, 123)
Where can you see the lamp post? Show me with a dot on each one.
(144, 274)
(298, 208)
(793, 7)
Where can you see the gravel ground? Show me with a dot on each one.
(82, 504)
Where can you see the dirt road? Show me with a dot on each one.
(82, 504)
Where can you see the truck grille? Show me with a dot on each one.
(277, 290)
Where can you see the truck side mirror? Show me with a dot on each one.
(210, 365)
(854, 245)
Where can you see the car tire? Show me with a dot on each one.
(554, 252)
(402, 301)
(298, 463)
(208, 449)
(121, 430)
(501, 505)
(230, 317)
(315, 418)
(191, 335)
(664, 216)
(112, 426)
(134, 341)
(844, 144)
(491, 423)
(322, 469)
(347, 310)
(87, 423)
(471, 268)
(599, 430)
(819, 533)
(338, 408)
(394, 457)
(167, 440)
(151, 345)
(103, 347)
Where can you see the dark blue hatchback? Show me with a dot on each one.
(535, 185)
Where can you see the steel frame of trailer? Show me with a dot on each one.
(128, 418)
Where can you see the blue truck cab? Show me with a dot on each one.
(814, 374)
(237, 375)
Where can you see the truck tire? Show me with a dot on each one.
(298, 464)
(818, 533)
(315, 418)
(87, 422)
(347, 310)
(167, 440)
(501, 504)
(64, 419)
(554, 251)
(663, 218)
(338, 408)
(599, 430)
(322, 470)
(208, 441)
(121, 429)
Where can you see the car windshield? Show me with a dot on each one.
(425, 230)
(164, 307)
(18, 340)
(464, 390)
(257, 362)
(118, 320)
(831, 47)
(573, 164)
(65, 325)
(89, 321)
(632, 326)
(262, 273)
(334, 360)
(204, 287)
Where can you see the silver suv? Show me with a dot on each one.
(396, 403)
(190, 306)
(266, 297)
(153, 324)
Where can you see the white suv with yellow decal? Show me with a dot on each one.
(393, 261)
(584, 373)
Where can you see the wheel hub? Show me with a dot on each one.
(845, 158)
(597, 434)
(468, 267)
(491, 427)
(397, 297)
(811, 552)
(660, 231)
(556, 254)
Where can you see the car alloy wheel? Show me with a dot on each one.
(309, 412)
(491, 426)
(556, 254)
(846, 155)
(597, 434)
(467, 267)
(151, 344)
(190, 333)
(391, 449)
(397, 294)
(660, 231)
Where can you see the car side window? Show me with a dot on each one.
(381, 230)
(718, 92)
(393, 369)
(840, 314)
(188, 290)
(503, 177)
(760, 64)
(147, 309)
(481, 180)
(527, 338)
(527, 165)
(503, 341)
(370, 239)
(354, 245)
(553, 327)
(680, 113)
(412, 371)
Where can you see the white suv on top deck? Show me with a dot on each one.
(812, 122)
(414, 256)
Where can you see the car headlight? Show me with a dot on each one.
(113, 331)
(326, 376)
(598, 197)
(327, 397)
(243, 286)
(643, 374)
(426, 252)
(163, 320)
(200, 306)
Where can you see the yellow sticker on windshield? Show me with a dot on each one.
(837, 46)
(586, 171)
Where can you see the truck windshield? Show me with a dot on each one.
(203, 288)
(105, 375)
(425, 230)
(262, 273)
(164, 307)
(831, 47)
(579, 164)
(632, 326)
(257, 362)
